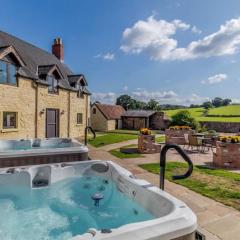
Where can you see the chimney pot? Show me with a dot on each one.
(58, 49)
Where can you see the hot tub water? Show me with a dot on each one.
(65, 209)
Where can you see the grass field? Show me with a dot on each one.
(110, 138)
(220, 185)
(225, 113)
(119, 154)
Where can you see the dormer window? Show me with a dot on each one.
(8, 73)
(53, 84)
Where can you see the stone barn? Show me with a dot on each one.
(106, 117)
(137, 119)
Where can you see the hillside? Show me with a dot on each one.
(229, 113)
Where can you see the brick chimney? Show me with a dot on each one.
(57, 49)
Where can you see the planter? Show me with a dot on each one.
(146, 144)
(177, 136)
(227, 155)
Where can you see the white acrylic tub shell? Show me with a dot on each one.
(51, 146)
(173, 217)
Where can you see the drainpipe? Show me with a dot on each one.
(69, 111)
(35, 85)
(87, 110)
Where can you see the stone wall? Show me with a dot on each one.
(98, 121)
(158, 121)
(29, 101)
(177, 136)
(111, 125)
(227, 127)
(20, 99)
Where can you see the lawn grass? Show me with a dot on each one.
(125, 131)
(110, 138)
(134, 132)
(160, 139)
(220, 185)
(117, 152)
(197, 113)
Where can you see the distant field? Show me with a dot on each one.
(222, 114)
(233, 110)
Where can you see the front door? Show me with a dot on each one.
(52, 123)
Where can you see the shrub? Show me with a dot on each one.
(184, 118)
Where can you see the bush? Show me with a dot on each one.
(184, 118)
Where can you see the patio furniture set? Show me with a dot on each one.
(191, 140)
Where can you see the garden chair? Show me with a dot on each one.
(195, 142)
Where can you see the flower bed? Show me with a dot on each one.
(176, 134)
(147, 144)
(227, 152)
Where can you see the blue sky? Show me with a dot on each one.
(174, 51)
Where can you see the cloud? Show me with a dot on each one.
(164, 97)
(196, 30)
(125, 88)
(107, 56)
(236, 100)
(218, 78)
(194, 98)
(153, 37)
(145, 95)
(108, 97)
(156, 39)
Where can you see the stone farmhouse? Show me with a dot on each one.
(40, 97)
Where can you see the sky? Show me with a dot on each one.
(175, 51)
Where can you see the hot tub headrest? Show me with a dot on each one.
(100, 167)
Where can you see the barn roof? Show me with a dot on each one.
(111, 112)
(138, 113)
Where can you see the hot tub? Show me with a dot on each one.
(88, 200)
(41, 151)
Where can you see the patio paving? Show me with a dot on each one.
(216, 221)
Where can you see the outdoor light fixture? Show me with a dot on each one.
(42, 111)
(62, 112)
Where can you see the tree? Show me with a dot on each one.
(153, 105)
(226, 102)
(217, 102)
(125, 101)
(184, 118)
(207, 105)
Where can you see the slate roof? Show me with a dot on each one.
(111, 112)
(34, 57)
(138, 113)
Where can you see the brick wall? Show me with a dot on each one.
(228, 127)
(22, 99)
(227, 155)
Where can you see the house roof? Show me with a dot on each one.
(34, 57)
(138, 113)
(111, 112)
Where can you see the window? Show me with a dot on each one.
(9, 120)
(80, 94)
(8, 73)
(53, 84)
(79, 118)
(94, 111)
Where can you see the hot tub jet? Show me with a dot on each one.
(96, 197)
